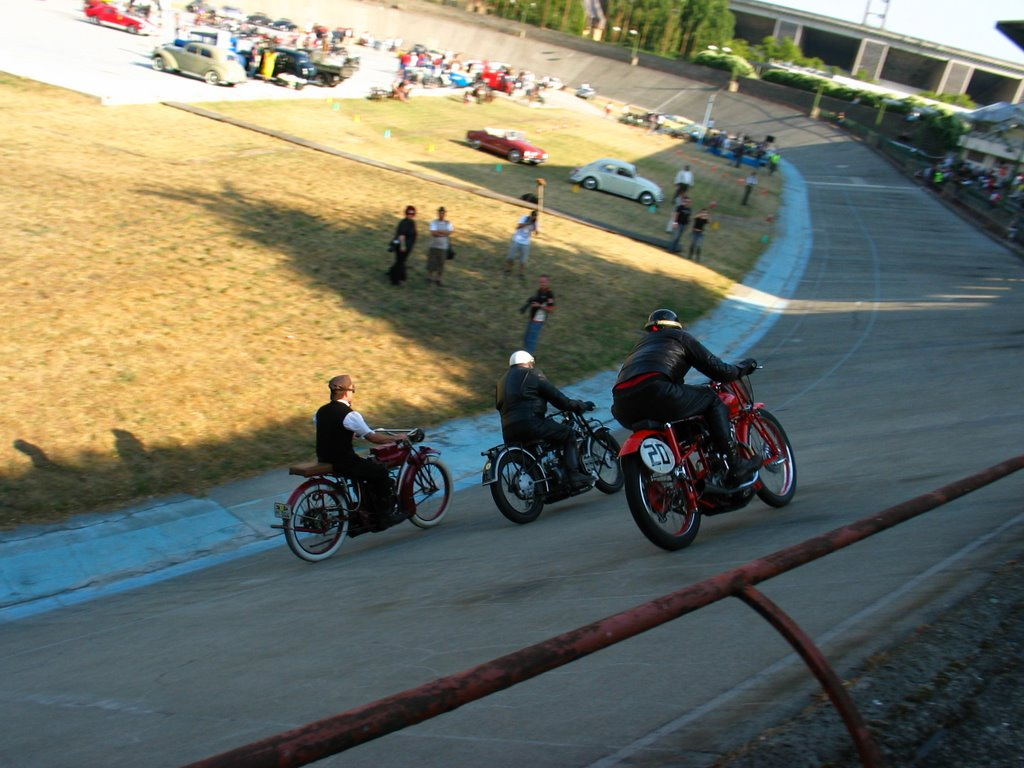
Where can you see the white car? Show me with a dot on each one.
(617, 177)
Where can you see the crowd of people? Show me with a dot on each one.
(997, 183)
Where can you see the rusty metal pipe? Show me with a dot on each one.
(338, 733)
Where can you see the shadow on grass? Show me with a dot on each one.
(472, 324)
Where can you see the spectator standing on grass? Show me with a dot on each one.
(684, 180)
(402, 243)
(519, 248)
(749, 186)
(539, 306)
(440, 243)
(700, 224)
(682, 218)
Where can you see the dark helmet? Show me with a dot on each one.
(662, 318)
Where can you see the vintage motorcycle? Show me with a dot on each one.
(674, 475)
(326, 508)
(525, 477)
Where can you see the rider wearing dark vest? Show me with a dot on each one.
(334, 444)
(521, 397)
(650, 386)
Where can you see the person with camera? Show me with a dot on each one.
(401, 245)
(522, 396)
(539, 305)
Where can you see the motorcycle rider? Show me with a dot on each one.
(521, 397)
(337, 423)
(650, 386)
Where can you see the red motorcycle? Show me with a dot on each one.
(327, 507)
(674, 475)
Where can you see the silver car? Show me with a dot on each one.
(217, 66)
(617, 177)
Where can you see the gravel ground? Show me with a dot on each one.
(951, 695)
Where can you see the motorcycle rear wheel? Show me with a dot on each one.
(318, 524)
(777, 477)
(601, 455)
(649, 502)
(517, 489)
(431, 493)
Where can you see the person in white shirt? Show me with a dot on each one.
(684, 180)
(519, 248)
(440, 244)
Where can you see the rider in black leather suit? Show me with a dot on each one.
(650, 386)
(521, 396)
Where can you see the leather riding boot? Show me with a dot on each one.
(740, 470)
(571, 462)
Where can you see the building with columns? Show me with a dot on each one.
(906, 62)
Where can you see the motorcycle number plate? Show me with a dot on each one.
(656, 454)
(282, 510)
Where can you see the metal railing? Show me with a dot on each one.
(332, 735)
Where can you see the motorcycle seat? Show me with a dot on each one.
(533, 442)
(311, 469)
(636, 426)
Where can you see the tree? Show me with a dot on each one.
(703, 23)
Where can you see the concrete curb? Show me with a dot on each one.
(48, 567)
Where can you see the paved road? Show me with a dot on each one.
(895, 369)
(116, 66)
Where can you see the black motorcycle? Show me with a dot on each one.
(525, 476)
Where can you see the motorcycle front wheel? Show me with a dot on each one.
(318, 524)
(518, 489)
(600, 456)
(651, 501)
(777, 477)
(431, 493)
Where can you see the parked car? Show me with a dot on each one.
(259, 19)
(290, 66)
(586, 91)
(217, 66)
(617, 177)
(512, 145)
(499, 78)
(285, 25)
(232, 13)
(108, 15)
(460, 79)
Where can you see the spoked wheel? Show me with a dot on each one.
(601, 458)
(431, 493)
(777, 478)
(658, 506)
(318, 523)
(517, 489)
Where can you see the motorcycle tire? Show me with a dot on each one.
(318, 523)
(517, 489)
(600, 456)
(431, 493)
(648, 501)
(777, 477)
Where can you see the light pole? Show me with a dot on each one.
(636, 44)
(522, 19)
(707, 117)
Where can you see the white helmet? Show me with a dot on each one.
(519, 358)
